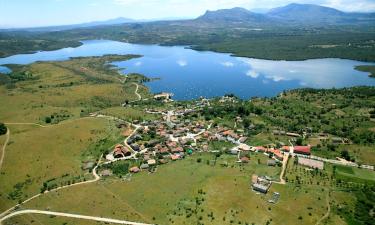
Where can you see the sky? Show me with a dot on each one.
(36, 13)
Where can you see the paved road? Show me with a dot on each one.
(94, 218)
(4, 147)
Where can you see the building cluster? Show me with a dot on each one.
(261, 183)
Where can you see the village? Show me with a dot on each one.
(176, 135)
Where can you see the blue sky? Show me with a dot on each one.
(32, 13)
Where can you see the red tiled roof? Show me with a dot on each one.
(302, 149)
(261, 148)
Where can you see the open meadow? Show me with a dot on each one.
(188, 192)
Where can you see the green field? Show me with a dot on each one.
(60, 96)
(35, 155)
(352, 173)
(64, 90)
(223, 193)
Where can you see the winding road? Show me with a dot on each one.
(94, 218)
(136, 92)
(8, 213)
(96, 178)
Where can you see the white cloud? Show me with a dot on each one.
(138, 63)
(227, 64)
(182, 63)
(252, 73)
(276, 78)
(351, 5)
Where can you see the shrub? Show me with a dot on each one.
(3, 129)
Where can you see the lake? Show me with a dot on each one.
(190, 74)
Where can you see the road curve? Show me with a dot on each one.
(99, 219)
(136, 92)
(4, 147)
(96, 178)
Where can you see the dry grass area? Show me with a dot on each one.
(169, 194)
(128, 114)
(35, 155)
(64, 88)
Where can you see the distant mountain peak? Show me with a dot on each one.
(236, 14)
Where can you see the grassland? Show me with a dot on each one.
(64, 90)
(350, 174)
(35, 155)
(219, 195)
(58, 96)
(128, 114)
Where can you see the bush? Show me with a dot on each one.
(48, 120)
(3, 129)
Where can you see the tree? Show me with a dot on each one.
(345, 154)
(48, 119)
(299, 141)
(3, 129)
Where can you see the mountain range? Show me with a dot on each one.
(302, 14)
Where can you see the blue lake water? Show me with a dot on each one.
(190, 74)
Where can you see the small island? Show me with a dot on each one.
(370, 69)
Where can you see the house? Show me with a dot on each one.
(175, 157)
(260, 149)
(134, 169)
(172, 144)
(151, 162)
(121, 151)
(285, 149)
(260, 184)
(163, 161)
(260, 188)
(144, 166)
(164, 150)
(277, 153)
(244, 147)
(242, 139)
(303, 150)
(163, 96)
(177, 150)
(135, 147)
